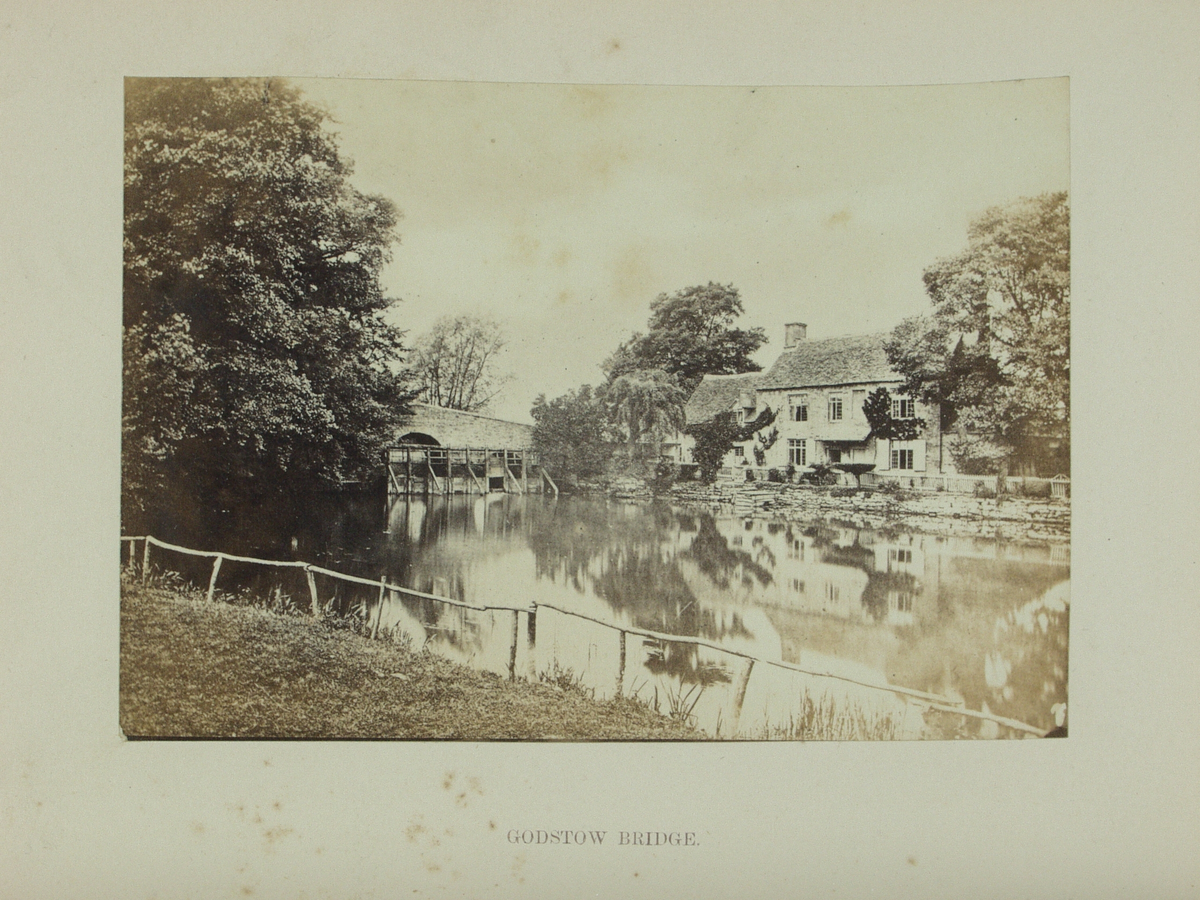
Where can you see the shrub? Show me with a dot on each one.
(984, 492)
(666, 473)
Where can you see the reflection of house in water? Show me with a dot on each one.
(829, 571)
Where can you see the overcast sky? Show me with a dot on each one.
(562, 211)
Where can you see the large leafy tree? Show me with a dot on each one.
(256, 357)
(454, 364)
(995, 352)
(690, 334)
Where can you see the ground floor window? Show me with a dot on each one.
(835, 454)
(902, 459)
(797, 452)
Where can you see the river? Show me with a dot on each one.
(979, 622)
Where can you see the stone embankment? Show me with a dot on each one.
(1005, 518)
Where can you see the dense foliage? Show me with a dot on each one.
(454, 364)
(256, 358)
(646, 404)
(572, 436)
(878, 410)
(717, 436)
(996, 349)
(690, 334)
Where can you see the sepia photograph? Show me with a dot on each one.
(621, 450)
(552, 412)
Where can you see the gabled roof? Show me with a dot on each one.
(721, 393)
(853, 359)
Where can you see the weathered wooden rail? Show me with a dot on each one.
(926, 699)
(426, 469)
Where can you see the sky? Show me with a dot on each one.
(562, 211)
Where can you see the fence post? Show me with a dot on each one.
(621, 662)
(212, 581)
(379, 610)
(531, 639)
(312, 591)
(512, 650)
(740, 696)
(146, 560)
(132, 557)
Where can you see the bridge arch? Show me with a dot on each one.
(419, 437)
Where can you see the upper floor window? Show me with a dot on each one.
(835, 408)
(799, 407)
(903, 408)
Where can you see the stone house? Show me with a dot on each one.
(717, 394)
(817, 389)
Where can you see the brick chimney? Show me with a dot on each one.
(793, 334)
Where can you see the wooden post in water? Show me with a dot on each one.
(212, 581)
(146, 560)
(621, 663)
(512, 650)
(739, 696)
(312, 591)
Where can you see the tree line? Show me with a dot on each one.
(992, 355)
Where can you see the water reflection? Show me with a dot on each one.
(971, 619)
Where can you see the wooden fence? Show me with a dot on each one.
(938, 702)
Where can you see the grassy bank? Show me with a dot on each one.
(195, 669)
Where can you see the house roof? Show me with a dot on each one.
(852, 359)
(721, 393)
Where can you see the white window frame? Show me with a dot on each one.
(903, 408)
(900, 455)
(836, 400)
(800, 459)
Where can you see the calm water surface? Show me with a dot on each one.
(970, 619)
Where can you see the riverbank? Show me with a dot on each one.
(190, 668)
(957, 515)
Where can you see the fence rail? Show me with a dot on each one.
(933, 701)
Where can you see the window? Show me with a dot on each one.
(902, 459)
(739, 451)
(832, 593)
(797, 586)
(834, 454)
(797, 452)
(904, 556)
(835, 408)
(799, 407)
(903, 408)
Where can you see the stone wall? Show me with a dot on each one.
(452, 428)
